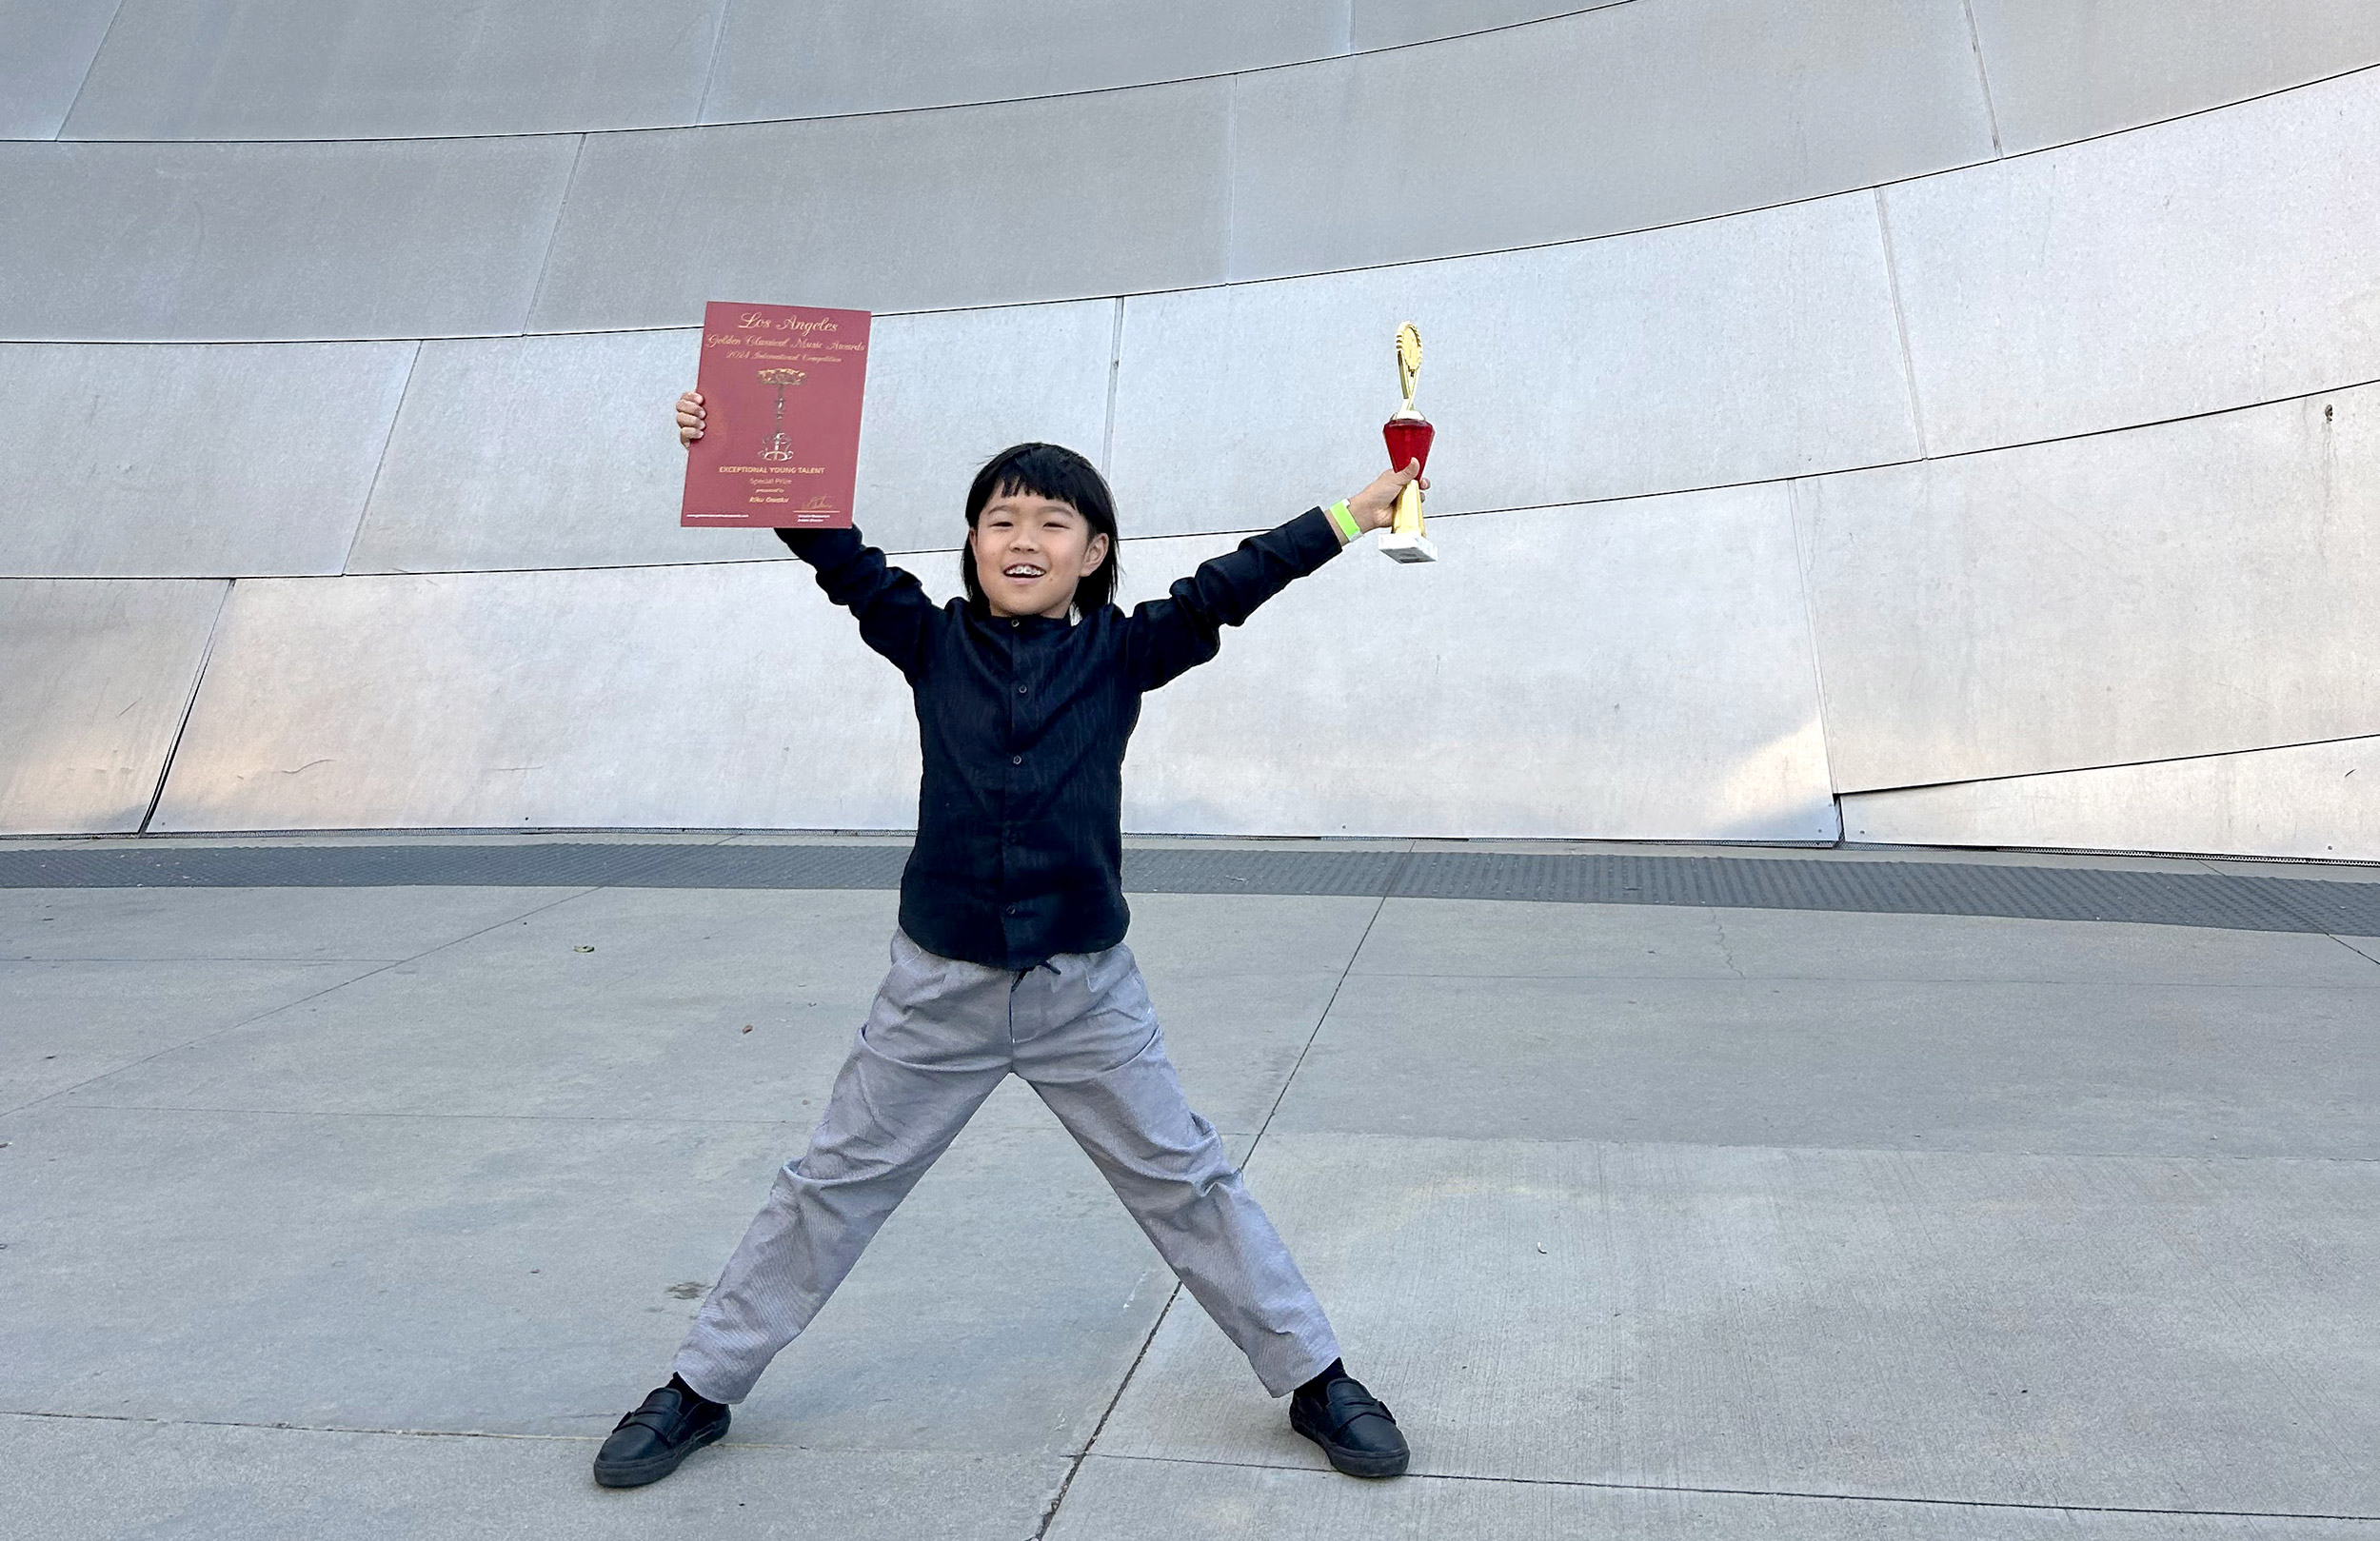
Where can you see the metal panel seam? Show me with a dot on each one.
(553, 235)
(1975, 41)
(710, 71)
(1817, 664)
(2111, 765)
(1115, 371)
(90, 70)
(1900, 323)
(364, 514)
(1231, 180)
(189, 704)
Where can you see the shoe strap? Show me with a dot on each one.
(654, 1412)
(1345, 1409)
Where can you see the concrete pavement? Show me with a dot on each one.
(367, 1211)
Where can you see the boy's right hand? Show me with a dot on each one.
(689, 417)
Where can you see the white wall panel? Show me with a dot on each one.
(1056, 199)
(1641, 671)
(2066, 69)
(729, 694)
(2206, 263)
(1728, 351)
(197, 458)
(1631, 671)
(2320, 802)
(46, 49)
(541, 452)
(2190, 588)
(254, 242)
(949, 390)
(559, 452)
(96, 678)
(374, 69)
(784, 61)
(1618, 119)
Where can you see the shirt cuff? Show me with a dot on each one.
(1313, 538)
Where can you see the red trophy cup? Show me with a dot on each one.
(1408, 434)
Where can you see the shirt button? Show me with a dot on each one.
(1016, 760)
(1013, 624)
(1012, 909)
(1020, 690)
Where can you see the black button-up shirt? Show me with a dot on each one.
(1024, 721)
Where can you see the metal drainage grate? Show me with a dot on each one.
(1848, 884)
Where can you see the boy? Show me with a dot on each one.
(1010, 957)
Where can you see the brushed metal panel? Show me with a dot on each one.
(97, 676)
(1617, 119)
(870, 56)
(2066, 69)
(1564, 688)
(2319, 801)
(558, 451)
(372, 69)
(254, 242)
(46, 49)
(948, 391)
(2209, 263)
(1731, 350)
(1638, 671)
(706, 696)
(1056, 199)
(179, 459)
(1387, 24)
(541, 452)
(2190, 589)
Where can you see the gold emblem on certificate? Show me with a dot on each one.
(1408, 434)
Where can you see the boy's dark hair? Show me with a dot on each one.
(1059, 474)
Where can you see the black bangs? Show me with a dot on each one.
(1059, 474)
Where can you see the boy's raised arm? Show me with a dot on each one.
(896, 617)
(1168, 636)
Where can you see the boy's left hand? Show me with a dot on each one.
(1376, 505)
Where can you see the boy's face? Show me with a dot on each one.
(1030, 552)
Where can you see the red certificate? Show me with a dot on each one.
(780, 389)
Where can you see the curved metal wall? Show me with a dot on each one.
(1964, 409)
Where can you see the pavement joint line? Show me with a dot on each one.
(1243, 1466)
(44, 957)
(1769, 1492)
(1049, 1516)
(731, 1443)
(281, 1427)
(2132, 983)
(289, 1005)
(2202, 1157)
(316, 1428)
(511, 1118)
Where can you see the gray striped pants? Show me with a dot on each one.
(942, 1035)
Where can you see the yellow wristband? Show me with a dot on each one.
(1345, 520)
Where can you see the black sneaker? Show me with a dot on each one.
(1355, 1429)
(648, 1445)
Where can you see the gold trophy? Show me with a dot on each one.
(1408, 434)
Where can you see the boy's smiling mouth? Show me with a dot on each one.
(1024, 570)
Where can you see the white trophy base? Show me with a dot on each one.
(1408, 548)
